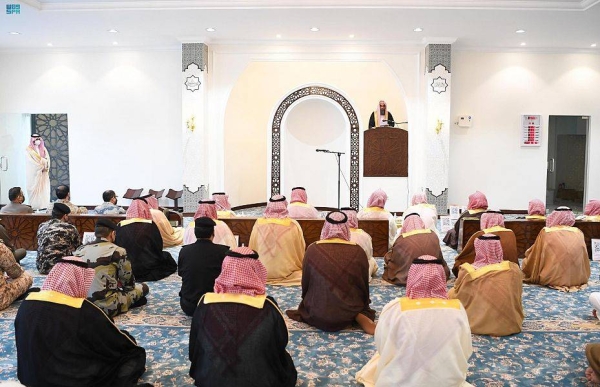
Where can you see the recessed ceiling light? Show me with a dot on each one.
(520, 31)
(314, 29)
(113, 31)
(50, 45)
(593, 45)
(351, 36)
(115, 43)
(418, 29)
(210, 29)
(278, 36)
(523, 44)
(14, 33)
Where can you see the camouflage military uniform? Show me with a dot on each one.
(56, 239)
(17, 282)
(114, 289)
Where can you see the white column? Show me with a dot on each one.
(194, 91)
(437, 127)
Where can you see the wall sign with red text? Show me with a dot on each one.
(531, 130)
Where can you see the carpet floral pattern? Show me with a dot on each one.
(549, 351)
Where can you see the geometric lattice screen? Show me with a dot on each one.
(54, 129)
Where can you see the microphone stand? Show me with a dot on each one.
(337, 157)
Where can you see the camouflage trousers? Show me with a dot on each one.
(119, 301)
(13, 289)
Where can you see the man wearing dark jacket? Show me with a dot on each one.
(199, 265)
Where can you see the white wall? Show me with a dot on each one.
(310, 124)
(248, 83)
(15, 130)
(124, 112)
(496, 89)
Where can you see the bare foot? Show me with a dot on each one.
(592, 376)
(366, 323)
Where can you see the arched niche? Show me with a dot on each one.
(354, 136)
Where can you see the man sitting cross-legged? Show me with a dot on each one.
(65, 340)
(299, 208)
(238, 335)
(413, 241)
(491, 222)
(558, 258)
(490, 289)
(361, 238)
(56, 238)
(335, 281)
(114, 289)
(279, 241)
(16, 281)
(375, 209)
(223, 234)
(140, 237)
(422, 339)
(199, 264)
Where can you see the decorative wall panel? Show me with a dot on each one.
(54, 129)
(439, 201)
(354, 137)
(194, 53)
(438, 54)
(191, 199)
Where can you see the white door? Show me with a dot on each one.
(15, 131)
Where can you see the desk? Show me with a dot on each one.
(311, 228)
(22, 228)
(526, 231)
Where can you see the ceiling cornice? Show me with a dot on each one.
(311, 4)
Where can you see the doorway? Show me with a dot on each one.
(567, 162)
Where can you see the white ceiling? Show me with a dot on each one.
(553, 25)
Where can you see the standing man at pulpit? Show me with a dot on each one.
(383, 116)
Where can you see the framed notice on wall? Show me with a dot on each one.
(531, 130)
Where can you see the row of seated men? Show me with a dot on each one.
(238, 336)
(313, 309)
(237, 310)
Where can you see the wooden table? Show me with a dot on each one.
(526, 231)
(311, 228)
(22, 228)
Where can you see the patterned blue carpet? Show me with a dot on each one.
(549, 351)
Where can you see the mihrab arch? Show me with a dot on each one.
(354, 137)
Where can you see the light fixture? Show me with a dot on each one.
(520, 31)
(113, 31)
(14, 33)
(351, 36)
(115, 43)
(50, 45)
(278, 36)
(418, 29)
(523, 44)
(314, 29)
(593, 45)
(210, 29)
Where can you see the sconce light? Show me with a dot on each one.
(191, 123)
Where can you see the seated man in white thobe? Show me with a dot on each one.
(425, 320)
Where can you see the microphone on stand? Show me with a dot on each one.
(323, 150)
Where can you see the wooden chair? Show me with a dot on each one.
(157, 194)
(133, 193)
(175, 196)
